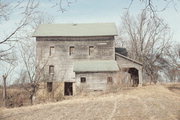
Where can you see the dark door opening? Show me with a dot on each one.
(49, 86)
(68, 88)
(134, 76)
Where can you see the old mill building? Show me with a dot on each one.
(82, 56)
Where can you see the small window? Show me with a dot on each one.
(109, 80)
(91, 50)
(83, 79)
(49, 86)
(51, 51)
(51, 69)
(71, 50)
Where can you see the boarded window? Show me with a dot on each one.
(71, 50)
(109, 80)
(51, 51)
(51, 69)
(91, 50)
(49, 86)
(83, 79)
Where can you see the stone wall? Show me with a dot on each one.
(57, 93)
(63, 62)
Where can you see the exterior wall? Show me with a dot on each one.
(63, 62)
(124, 63)
(95, 81)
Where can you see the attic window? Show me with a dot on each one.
(71, 50)
(83, 79)
(91, 50)
(51, 50)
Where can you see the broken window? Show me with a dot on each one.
(51, 69)
(109, 80)
(71, 50)
(49, 86)
(83, 79)
(91, 50)
(51, 51)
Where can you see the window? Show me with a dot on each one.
(51, 69)
(91, 49)
(109, 80)
(83, 79)
(49, 86)
(71, 50)
(51, 51)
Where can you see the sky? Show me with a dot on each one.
(89, 11)
(98, 11)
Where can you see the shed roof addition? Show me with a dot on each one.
(95, 66)
(90, 29)
(127, 58)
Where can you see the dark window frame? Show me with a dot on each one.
(51, 49)
(91, 50)
(83, 79)
(71, 50)
(51, 71)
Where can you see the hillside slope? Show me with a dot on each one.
(145, 103)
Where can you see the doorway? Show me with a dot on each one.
(68, 88)
(134, 76)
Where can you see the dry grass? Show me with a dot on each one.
(145, 103)
(16, 97)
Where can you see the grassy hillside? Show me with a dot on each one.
(145, 103)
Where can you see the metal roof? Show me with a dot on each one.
(95, 66)
(88, 29)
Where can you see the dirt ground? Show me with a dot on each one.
(155, 102)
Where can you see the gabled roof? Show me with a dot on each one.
(88, 29)
(95, 66)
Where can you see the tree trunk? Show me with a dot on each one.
(31, 99)
(151, 79)
(4, 90)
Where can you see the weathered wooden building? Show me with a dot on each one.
(82, 56)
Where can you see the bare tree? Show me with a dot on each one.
(147, 40)
(62, 5)
(8, 69)
(154, 5)
(33, 71)
(173, 58)
(27, 12)
(27, 9)
(29, 16)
